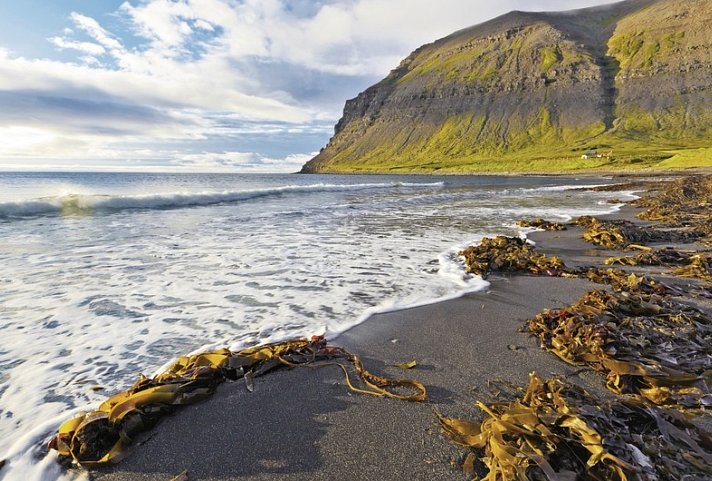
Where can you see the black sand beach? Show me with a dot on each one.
(305, 424)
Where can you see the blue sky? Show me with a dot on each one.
(202, 85)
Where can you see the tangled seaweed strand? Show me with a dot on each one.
(662, 257)
(699, 266)
(99, 437)
(512, 254)
(537, 437)
(508, 254)
(621, 234)
(541, 224)
(689, 264)
(622, 281)
(646, 345)
(558, 431)
(685, 204)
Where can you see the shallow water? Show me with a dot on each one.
(108, 275)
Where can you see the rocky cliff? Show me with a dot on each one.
(534, 91)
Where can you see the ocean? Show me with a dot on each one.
(108, 275)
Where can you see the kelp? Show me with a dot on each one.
(512, 255)
(698, 265)
(622, 281)
(646, 345)
(694, 264)
(666, 257)
(621, 234)
(99, 437)
(541, 224)
(557, 431)
(684, 204)
(508, 254)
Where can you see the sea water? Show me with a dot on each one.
(104, 276)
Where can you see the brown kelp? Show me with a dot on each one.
(694, 264)
(99, 437)
(508, 254)
(646, 345)
(513, 255)
(620, 234)
(698, 265)
(655, 257)
(557, 431)
(684, 204)
(622, 281)
(541, 224)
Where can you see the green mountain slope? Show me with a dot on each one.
(535, 91)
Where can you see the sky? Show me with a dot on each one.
(202, 85)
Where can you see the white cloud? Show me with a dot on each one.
(242, 161)
(204, 70)
(95, 31)
(86, 47)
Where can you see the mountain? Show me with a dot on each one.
(536, 91)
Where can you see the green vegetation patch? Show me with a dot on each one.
(550, 56)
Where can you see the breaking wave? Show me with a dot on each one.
(78, 204)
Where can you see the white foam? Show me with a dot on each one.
(87, 202)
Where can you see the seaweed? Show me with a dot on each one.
(662, 257)
(646, 345)
(99, 437)
(696, 264)
(699, 266)
(622, 281)
(684, 204)
(508, 254)
(541, 224)
(558, 431)
(513, 255)
(622, 234)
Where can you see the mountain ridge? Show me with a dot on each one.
(533, 91)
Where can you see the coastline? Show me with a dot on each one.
(305, 423)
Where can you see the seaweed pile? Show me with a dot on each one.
(661, 257)
(618, 233)
(557, 431)
(99, 437)
(698, 265)
(622, 281)
(508, 254)
(541, 224)
(513, 255)
(647, 346)
(695, 264)
(684, 204)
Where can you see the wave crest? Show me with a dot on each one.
(80, 204)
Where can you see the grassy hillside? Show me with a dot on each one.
(533, 92)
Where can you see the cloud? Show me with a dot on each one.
(86, 47)
(242, 161)
(200, 80)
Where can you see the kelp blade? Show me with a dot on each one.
(99, 437)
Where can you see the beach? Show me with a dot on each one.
(110, 275)
(296, 423)
(305, 424)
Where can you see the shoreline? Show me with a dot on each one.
(622, 173)
(458, 344)
(37, 444)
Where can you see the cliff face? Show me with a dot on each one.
(532, 91)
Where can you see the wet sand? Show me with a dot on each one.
(305, 424)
